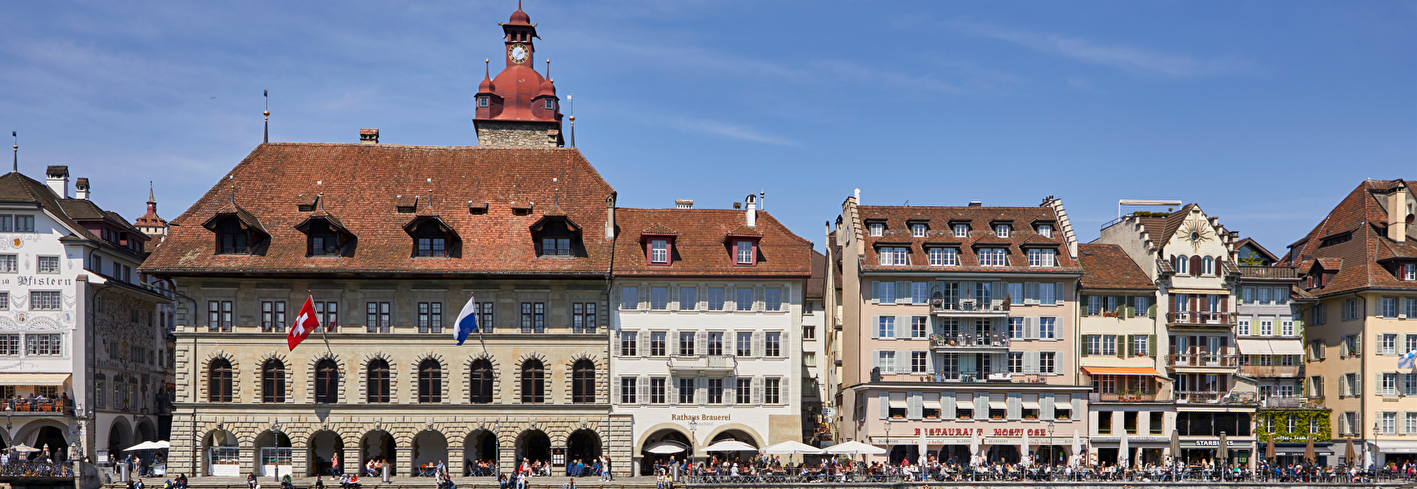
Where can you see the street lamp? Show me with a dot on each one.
(693, 438)
(1051, 446)
(1375, 445)
(888, 440)
(275, 438)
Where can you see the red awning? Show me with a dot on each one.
(1147, 371)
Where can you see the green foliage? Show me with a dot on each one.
(1150, 214)
(1280, 421)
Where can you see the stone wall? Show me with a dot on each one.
(517, 134)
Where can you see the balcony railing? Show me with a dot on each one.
(1213, 397)
(1270, 370)
(967, 306)
(703, 362)
(1248, 271)
(1202, 360)
(1201, 318)
(36, 406)
(1101, 397)
(1275, 402)
(970, 341)
(992, 375)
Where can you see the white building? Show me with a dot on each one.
(83, 358)
(703, 348)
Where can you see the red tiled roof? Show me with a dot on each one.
(1256, 244)
(896, 231)
(816, 286)
(1361, 213)
(699, 247)
(363, 184)
(1107, 266)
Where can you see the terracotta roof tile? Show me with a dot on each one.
(1107, 266)
(699, 247)
(1362, 214)
(896, 232)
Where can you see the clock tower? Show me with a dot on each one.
(518, 108)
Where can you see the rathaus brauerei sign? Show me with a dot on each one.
(700, 417)
(980, 431)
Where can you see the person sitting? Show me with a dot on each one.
(319, 481)
(285, 482)
(570, 484)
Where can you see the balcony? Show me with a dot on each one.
(1134, 397)
(1247, 271)
(703, 363)
(969, 342)
(1291, 371)
(968, 308)
(1200, 318)
(1217, 398)
(48, 407)
(994, 375)
(1275, 402)
(1202, 360)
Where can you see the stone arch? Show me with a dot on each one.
(321, 446)
(445, 373)
(653, 430)
(260, 384)
(534, 443)
(364, 376)
(120, 436)
(430, 446)
(496, 376)
(602, 372)
(144, 430)
(758, 440)
(343, 376)
(517, 380)
(203, 384)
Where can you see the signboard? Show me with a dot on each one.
(558, 456)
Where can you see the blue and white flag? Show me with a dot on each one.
(1407, 359)
(467, 320)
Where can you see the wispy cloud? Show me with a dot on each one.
(728, 130)
(1117, 55)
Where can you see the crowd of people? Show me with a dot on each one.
(32, 464)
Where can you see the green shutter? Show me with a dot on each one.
(1151, 345)
(1086, 340)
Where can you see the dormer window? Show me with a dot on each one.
(1002, 230)
(993, 257)
(555, 237)
(1409, 273)
(917, 230)
(659, 251)
(550, 104)
(483, 101)
(1042, 257)
(961, 230)
(432, 238)
(877, 228)
(744, 252)
(323, 241)
(232, 239)
(1046, 230)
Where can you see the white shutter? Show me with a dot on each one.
(902, 293)
(1077, 408)
(902, 362)
(1030, 328)
(615, 391)
(784, 346)
(1030, 362)
(875, 292)
(672, 338)
(757, 390)
(1060, 363)
(876, 360)
(981, 406)
(947, 406)
(757, 343)
(642, 343)
(875, 331)
(1058, 293)
(700, 343)
(730, 390)
(885, 405)
(1059, 331)
(643, 388)
(671, 389)
(615, 343)
(1045, 404)
(1015, 406)
(701, 390)
(644, 296)
(902, 326)
(915, 406)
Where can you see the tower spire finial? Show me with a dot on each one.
(151, 200)
(16, 135)
(548, 68)
(267, 95)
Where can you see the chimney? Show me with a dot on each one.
(737, 205)
(368, 136)
(57, 176)
(683, 203)
(858, 196)
(610, 216)
(1397, 213)
(976, 203)
(81, 188)
(752, 211)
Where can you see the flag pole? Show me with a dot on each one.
(323, 327)
(472, 296)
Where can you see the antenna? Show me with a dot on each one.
(571, 104)
(16, 135)
(548, 69)
(762, 200)
(267, 95)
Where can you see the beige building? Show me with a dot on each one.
(960, 321)
(1361, 264)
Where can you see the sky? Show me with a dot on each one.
(1265, 112)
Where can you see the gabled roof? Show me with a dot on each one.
(362, 184)
(1256, 245)
(700, 248)
(17, 188)
(897, 232)
(1362, 213)
(816, 286)
(1107, 266)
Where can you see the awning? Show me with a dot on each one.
(16, 378)
(1388, 446)
(1199, 291)
(1031, 405)
(898, 404)
(1147, 371)
(1287, 347)
(1254, 347)
(998, 405)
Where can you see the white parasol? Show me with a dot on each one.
(1122, 457)
(792, 448)
(730, 446)
(855, 448)
(1077, 449)
(665, 448)
(1025, 457)
(974, 447)
(147, 445)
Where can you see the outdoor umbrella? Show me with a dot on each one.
(792, 448)
(1077, 448)
(1222, 452)
(163, 444)
(1023, 456)
(23, 448)
(665, 448)
(924, 447)
(1175, 445)
(730, 446)
(1349, 455)
(1122, 452)
(1269, 449)
(1309, 451)
(147, 445)
(974, 447)
(855, 448)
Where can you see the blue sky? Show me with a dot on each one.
(1265, 112)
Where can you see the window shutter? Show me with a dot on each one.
(1127, 350)
(916, 406)
(875, 292)
(902, 293)
(1151, 345)
(1058, 294)
(902, 361)
(1033, 327)
(876, 359)
(1030, 362)
(784, 346)
(1045, 404)
(981, 406)
(671, 389)
(615, 392)
(1358, 345)
(1030, 293)
(1059, 328)
(672, 338)
(1086, 340)
(885, 404)
(875, 327)
(1224, 303)
(644, 296)
(1015, 405)
(757, 343)
(1378, 345)
(1195, 266)
(1357, 385)
(1060, 363)
(643, 387)
(1077, 408)
(902, 326)
(700, 343)
(642, 343)
(947, 406)
(615, 344)
(1378, 385)
(1175, 306)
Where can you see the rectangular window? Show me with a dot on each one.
(44, 301)
(1242, 327)
(886, 361)
(772, 390)
(919, 362)
(1388, 307)
(430, 317)
(657, 390)
(1266, 327)
(744, 344)
(1286, 328)
(1016, 328)
(657, 343)
(533, 317)
(1389, 344)
(24, 223)
(809, 332)
(715, 302)
(659, 298)
(1411, 423)
(714, 344)
(1094, 344)
(686, 343)
(743, 393)
(629, 343)
(9, 345)
(885, 328)
(745, 253)
(772, 300)
(1047, 361)
(1046, 328)
(1002, 230)
(9, 264)
(1389, 423)
(1015, 362)
(686, 390)
(876, 228)
(1042, 258)
(659, 251)
(1109, 344)
(43, 345)
(917, 230)
(919, 327)
(1046, 293)
(688, 298)
(772, 345)
(1389, 387)
(218, 315)
(1139, 343)
(272, 316)
(628, 390)
(484, 323)
(887, 293)
(1411, 308)
(583, 316)
(715, 391)
(629, 298)
(378, 318)
(328, 314)
(961, 230)
(1046, 230)
(48, 264)
(993, 257)
(745, 299)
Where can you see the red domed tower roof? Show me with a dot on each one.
(518, 93)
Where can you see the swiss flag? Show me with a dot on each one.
(307, 322)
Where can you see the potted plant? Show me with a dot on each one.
(963, 416)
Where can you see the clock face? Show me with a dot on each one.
(517, 53)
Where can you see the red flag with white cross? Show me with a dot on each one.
(305, 323)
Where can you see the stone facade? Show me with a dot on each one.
(517, 134)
